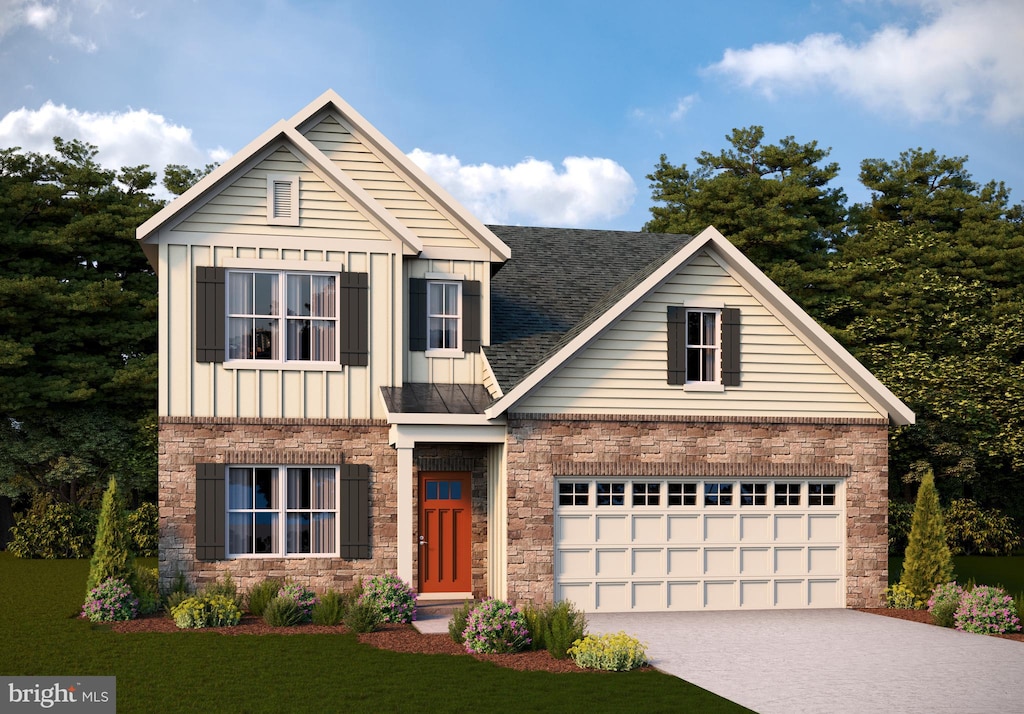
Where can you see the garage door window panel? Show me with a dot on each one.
(753, 494)
(574, 494)
(717, 494)
(821, 494)
(646, 494)
(787, 494)
(611, 494)
(682, 494)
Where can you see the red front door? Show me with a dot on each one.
(445, 536)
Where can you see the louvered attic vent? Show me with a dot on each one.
(283, 200)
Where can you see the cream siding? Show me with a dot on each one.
(241, 207)
(337, 140)
(189, 388)
(624, 369)
(469, 367)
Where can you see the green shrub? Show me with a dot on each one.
(554, 627)
(395, 599)
(175, 598)
(143, 527)
(928, 562)
(616, 653)
(179, 584)
(282, 612)
(971, 530)
(987, 610)
(900, 516)
(304, 598)
(900, 597)
(53, 530)
(147, 589)
(330, 609)
(943, 603)
(457, 623)
(495, 627)
(260, 594)
(224, 587)
(112, 555)
(201, 611)
(110, 601)
(363, 617)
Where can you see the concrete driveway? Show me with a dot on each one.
(830, 660)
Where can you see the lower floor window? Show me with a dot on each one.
(282, 511)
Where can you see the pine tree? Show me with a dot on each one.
(112, 555)
(928, 562)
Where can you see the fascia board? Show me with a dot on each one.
(414, 172)
(354, 191)
(827, 347)
(208, 183)
(636, 295)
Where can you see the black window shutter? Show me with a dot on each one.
(676, 345)
(210, 314)
(355, 511)
(354, 294)
(210, 511)
(730, 347)
(417, 315)
(471, 322)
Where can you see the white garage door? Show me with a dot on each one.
(692, 544)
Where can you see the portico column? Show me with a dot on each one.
(405, 515)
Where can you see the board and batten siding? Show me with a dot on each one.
(241, 208)
(189, 388)
(368, 169)
(624, 370)
(469, 367)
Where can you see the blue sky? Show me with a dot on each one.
(539, 113)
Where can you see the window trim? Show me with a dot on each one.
(459, 317)
(292, 184)
(715, 380)
(282, 318)
(282, 510)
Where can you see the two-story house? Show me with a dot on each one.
(358, 376)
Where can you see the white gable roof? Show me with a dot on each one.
(823, 344)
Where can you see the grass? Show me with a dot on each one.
(1006, 572)
(210, 672)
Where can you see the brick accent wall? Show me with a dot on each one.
(541, 446)
(185, 441)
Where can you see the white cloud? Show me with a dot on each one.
(683, 106)
(966, 59)
(586, 190)
(129, 138)
(53, 18)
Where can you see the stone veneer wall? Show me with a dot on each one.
(186, 441)
(471, 458)
(540, 446)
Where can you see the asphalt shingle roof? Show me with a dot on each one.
(557, 282)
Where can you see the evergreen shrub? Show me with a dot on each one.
(112, 555)
(143, 527)
(282, 611)
(261, 594)
(53, 530)
(329, 609)
(202, 611)
(615, 653)
(928, 562)
(457, 623)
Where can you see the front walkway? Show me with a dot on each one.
(830, 660)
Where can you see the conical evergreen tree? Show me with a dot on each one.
(112, 554)
(928, 562)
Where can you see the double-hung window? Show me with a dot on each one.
(282, 511)
(282, 316)
(702, 345)
(444, 300)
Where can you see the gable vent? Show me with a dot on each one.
(283, 200)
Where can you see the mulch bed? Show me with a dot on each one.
(923, 616)
(397, 638)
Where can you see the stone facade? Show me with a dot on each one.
(186, 441)
(541, 447)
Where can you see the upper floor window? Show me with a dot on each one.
(282, 316)
(702, 345)
(283, 200)
(444, 299)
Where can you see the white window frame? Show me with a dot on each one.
(432, 314)
(714, 380)
(291, 185)
(282, 319)
(282, 510)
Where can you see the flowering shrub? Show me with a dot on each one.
(206, 611)
(395, 600)
(110, 601)
(495, 627)
(943, 603)
(615, 653)
(900, 597)
(987, 610)
(304, 597)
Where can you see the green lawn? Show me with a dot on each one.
(1007, 572)
(209, 672)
